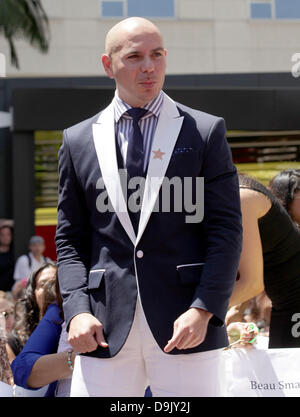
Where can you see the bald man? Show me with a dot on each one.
(145, 276)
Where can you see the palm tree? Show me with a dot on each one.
(24, 19)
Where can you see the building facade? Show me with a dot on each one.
(201, 36)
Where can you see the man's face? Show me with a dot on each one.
(37, 248)
(43, 278)
(5, 236)
(138, 67)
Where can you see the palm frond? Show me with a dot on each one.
(24, 19)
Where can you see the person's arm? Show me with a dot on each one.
(236, 313)
(222, 226)
(73, 239)
(223, 236)
(50, 368)
(251, 276)
(73, 245)
(43, 341)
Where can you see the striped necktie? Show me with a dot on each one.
(135, 150)
(135, 160)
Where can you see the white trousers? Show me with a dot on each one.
(140, 363)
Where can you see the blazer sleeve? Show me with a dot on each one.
(73, 237)
(222, 226)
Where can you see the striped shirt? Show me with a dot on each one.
(123, 125)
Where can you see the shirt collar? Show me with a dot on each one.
(153, 107)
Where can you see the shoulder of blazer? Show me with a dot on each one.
(204, 121)
(82, 128)
(78, 137)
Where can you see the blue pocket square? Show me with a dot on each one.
(182, 150)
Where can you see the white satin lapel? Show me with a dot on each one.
(104, 140)
(166, 134)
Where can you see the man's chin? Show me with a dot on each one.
(149, 94)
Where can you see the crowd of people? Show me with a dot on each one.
(35, 356)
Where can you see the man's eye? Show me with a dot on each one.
(133, 56)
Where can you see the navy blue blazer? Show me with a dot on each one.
(173, 264)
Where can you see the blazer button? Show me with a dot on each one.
(140, 254)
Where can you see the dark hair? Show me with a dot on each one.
(27, 312)
(244, 178)
(284, 186)
(6, 226)
(52, 295)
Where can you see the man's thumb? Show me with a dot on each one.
(100, 338)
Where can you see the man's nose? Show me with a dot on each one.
(147, 65)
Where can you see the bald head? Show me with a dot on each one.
(136, 59)
(128, 27)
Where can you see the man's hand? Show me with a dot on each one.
(86, 333)
(189, 329)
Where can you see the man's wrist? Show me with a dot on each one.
(82, 314)
(204, 313)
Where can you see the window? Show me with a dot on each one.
(143, 8)
(277, 9)
(153, 8)
(261, 10)
(112, 9)
(287, 9)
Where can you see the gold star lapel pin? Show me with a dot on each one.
(158, 154)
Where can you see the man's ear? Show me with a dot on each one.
(106, 62)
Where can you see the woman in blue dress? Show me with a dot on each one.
(46, 357)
